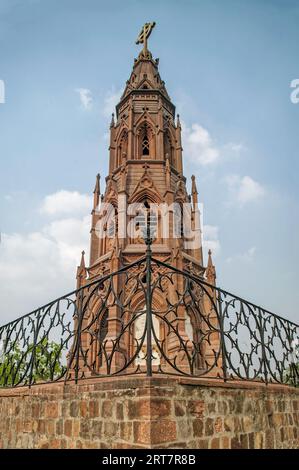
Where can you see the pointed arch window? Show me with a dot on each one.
(145, 141)
(146, 215)
(145, 145)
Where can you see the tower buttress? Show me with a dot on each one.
(145, 178)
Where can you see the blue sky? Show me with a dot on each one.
(227, 65)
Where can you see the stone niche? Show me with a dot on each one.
(158, 412)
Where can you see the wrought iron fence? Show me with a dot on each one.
(149, 318)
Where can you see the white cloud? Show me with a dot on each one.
(237, 147)
(110, 101)
(210, 232)
(245, 257)
(85, 98)
(234, 149)
(71, 236)
(251, 251)
(244, 189)
(40, 266)
(211, 240)
(66, 203)
(198, 145)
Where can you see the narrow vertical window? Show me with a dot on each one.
(145, 142)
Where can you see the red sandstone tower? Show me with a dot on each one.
(146, 172)
(145, 167)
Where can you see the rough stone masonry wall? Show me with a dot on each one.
(145, 413)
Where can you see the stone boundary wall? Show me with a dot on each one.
(156, 412)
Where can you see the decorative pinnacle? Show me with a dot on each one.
(112, 121)
(194, 191)
(194, 188)
(81, 271)
(210, 261)
(178, 122)
(82, 263)
(97, 185)
(210, 270)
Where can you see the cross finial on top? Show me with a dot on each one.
(144, 35)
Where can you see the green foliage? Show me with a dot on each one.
(11, 367)
(36, 363)
(291, 376)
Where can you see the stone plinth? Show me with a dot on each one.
(147, 413)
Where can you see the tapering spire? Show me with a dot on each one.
(112, 123)
(210, 270)
(178, 122)
(145, 74)
(178, 134)
(145, 164)
(97, 185)
(194, 191)
(194, 188)
(96, 192)
(81, 271)
(82, 262)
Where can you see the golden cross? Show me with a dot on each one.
(144, 35)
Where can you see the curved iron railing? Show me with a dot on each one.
(149, 318)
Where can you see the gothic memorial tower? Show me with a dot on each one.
(145, 169)
(145, 187)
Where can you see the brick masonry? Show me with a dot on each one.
(149, 413)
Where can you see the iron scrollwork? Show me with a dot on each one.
(149, 318)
